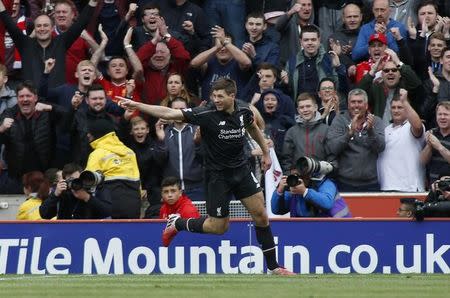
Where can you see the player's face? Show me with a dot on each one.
(140, 131)
(223, 101)
(307, 109)
(171, 194)
(97, 100)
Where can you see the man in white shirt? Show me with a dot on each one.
(399, 167)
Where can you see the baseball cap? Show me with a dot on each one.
(378, 36)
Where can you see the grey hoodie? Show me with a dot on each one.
(304, 139)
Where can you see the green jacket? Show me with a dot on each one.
(377, 92)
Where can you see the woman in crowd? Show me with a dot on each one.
(36, 188)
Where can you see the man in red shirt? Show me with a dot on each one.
(160, 57)
(175, 201)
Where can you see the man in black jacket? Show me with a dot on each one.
(34, 51)
(27, 130)
(69, 202)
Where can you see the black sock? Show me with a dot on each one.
(194, 225)
(265, 239)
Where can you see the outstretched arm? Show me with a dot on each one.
(152, 110)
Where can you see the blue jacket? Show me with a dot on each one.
(321, 200)
(266, 51)
(361, 49)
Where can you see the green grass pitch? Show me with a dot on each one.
(230, 286)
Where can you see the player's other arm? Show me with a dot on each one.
(256, 134)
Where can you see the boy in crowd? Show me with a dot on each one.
(175, 201)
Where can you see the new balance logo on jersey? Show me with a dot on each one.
(221, 123)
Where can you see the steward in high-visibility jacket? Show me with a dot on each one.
(118, 164)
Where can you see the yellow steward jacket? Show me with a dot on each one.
(113, 158)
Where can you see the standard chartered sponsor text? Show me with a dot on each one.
(227, 134)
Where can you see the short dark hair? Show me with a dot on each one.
(256, 15)
(171, 180)
(426, 3)
(226, 84)
(269, 66)
(326, 79)
(70, 168)
(118, 57)
(27, 85)
(149, 6)
(310, 29)
(95, 87)
(51, 175)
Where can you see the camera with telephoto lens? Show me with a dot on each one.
(309, 167)
(436, 205)
(74, 183)
(88, 181)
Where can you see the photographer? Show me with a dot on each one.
(308, 193)
(72, 200)
(437, 203)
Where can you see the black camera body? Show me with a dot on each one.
(293, 180)
(444, 184)
(436, 205)
(88, 181)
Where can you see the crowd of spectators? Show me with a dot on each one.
(364, 84)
